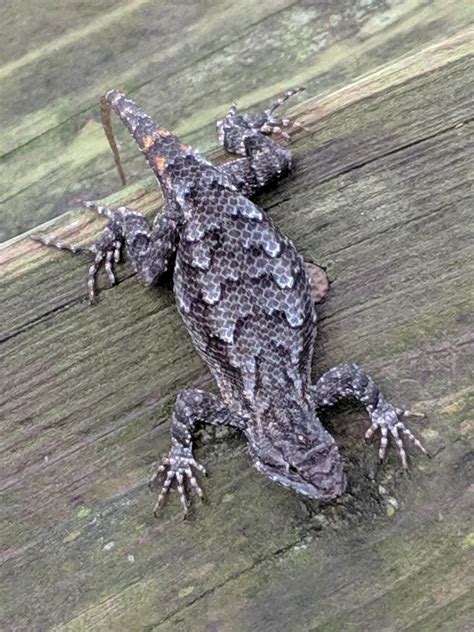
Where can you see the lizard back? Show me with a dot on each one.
(242, 290)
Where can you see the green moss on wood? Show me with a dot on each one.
(381, 190)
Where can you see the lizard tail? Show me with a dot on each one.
(143, 129)
(105, 109)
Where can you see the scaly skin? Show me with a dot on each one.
(244, 294)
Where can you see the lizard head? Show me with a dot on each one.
(303, 457)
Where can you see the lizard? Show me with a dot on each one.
(245, 296)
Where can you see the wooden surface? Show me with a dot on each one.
(381, 195)
(185, 62)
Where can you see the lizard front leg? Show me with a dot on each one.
(192, 407)
(149, 250)
(348, 380)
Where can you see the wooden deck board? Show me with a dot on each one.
(169, 57)
(381, 194)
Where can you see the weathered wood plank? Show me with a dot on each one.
(337, 143)
(52, 144)
(87, 393)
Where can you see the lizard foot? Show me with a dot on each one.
(106, 250)
(388, 419)
(178, 464)
(266, 123)
(263, 122)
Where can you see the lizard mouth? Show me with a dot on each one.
(322, 487)
(322, 480)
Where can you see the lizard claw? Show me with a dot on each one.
(410, 413)
(388, 419)
(177, 465)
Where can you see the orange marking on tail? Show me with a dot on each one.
(148, 142)
(160, 163)
(163, 132)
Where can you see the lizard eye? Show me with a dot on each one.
(302, 440)
(292, 469)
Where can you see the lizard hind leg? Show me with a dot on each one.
(149, 249)
(106, 251)
(272, 125)
(249, 136)
(235, 129)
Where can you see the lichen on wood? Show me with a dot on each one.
(381, 195)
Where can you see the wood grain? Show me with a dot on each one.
(185, 62)
(381, 195)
